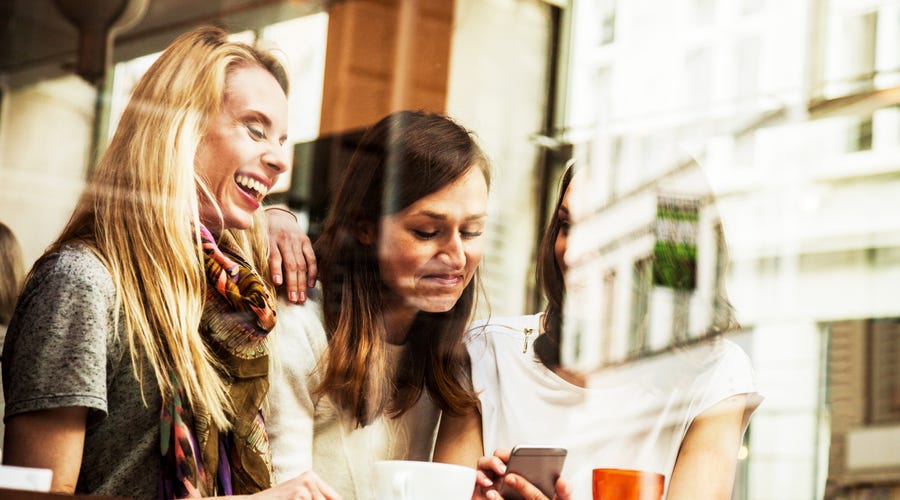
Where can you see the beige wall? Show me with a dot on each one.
(45, 135)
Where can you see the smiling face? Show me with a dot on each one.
(429, 251)
(242, 153)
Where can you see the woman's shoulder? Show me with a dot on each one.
(736, 368)
(726, 370)
(723, 355)
(495, 332)
(508, 325)
(73, 267)
(302, 324)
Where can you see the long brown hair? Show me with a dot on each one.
(551, 280)
(401, 159)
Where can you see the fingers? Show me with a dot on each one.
(481, 479)
(306, 486)
(494, 495)
(489, 469)
(562, 490)
(491, 466)
(309, 256)
(292, 262)
(318, 487)
(275, 264)
(293, 255)
(294, 271)
(523, 487)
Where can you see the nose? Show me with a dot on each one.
(453, 253)
(276, 158)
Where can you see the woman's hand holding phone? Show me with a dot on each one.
(492, 475)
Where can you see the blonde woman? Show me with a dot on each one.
(136, 362)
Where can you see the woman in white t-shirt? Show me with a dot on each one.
(681, 413)
(369, 363)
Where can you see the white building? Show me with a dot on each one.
(791, 109)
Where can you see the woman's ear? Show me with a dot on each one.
(365, 233)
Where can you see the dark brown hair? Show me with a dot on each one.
(404, 157)
(551, 280)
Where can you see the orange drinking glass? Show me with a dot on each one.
(623, 484)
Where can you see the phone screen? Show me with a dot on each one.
(540, 465)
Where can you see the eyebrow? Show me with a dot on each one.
(439, 216)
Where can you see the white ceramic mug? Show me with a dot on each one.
(25, 478)
(411, 480)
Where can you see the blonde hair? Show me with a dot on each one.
(140, 213)
(12, 271)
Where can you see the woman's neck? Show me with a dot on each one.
(398, 320)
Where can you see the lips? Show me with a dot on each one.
(256, 188)
(445, 279)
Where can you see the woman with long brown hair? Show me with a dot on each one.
(680, 414)
(368, 363)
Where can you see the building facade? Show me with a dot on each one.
(790, 108)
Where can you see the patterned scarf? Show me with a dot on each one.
(197, 459)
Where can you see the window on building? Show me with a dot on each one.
(602, 85)
(745, 149)
(607, 10)
(302, 41)
(681, 312)
(698, 71)
(615, 162)
(607, 311)
(861, 134)
(884, 371)
(749, 7)
(746, 68)
(864, 372)
(125, 77)
(703, 12)
(642, 284)
(850, 52)
(865, 33)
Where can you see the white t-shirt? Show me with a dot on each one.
(309, 432)
(629, 417)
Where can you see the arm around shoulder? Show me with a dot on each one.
(299, 342)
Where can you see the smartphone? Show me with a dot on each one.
(540, 465)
